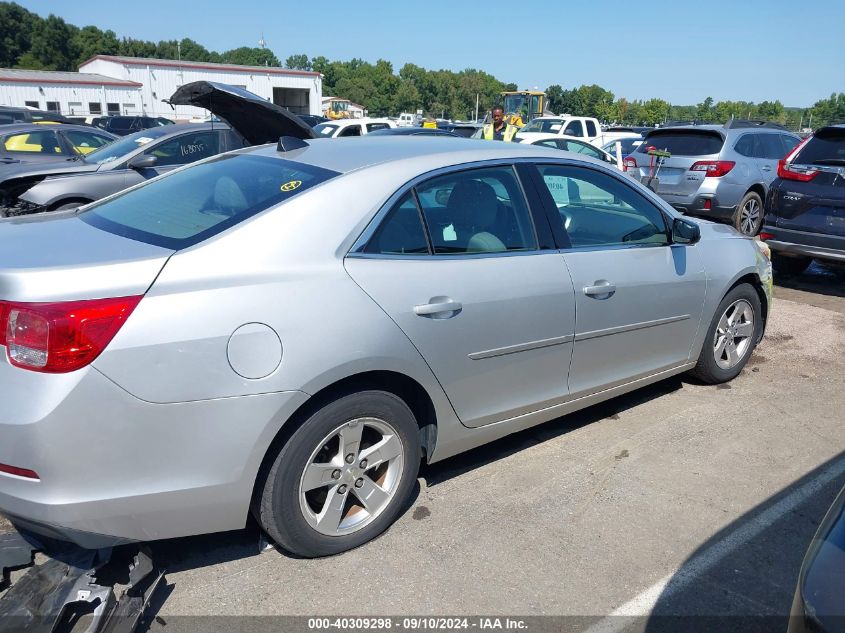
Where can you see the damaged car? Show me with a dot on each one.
(138, 157)
(290, 330)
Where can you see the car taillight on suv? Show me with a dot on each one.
(61, 337)
(713, 168)
(801, 173)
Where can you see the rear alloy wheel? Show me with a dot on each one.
(343, 477)
(731, 337)
(749, 214)
(786, 265)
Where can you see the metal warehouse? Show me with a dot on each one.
(298, 90)
(69, 93)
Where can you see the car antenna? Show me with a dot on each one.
(288, 143)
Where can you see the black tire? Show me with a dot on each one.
(277, 505)
(786, 265)
(748, 217)
(707, 369)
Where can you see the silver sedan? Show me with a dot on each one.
(290, 330)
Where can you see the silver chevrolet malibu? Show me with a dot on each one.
(290, 330)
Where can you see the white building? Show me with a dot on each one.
(298, 90)
(69, 93)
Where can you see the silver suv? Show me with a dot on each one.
(715, 171)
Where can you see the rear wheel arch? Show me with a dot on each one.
(407, 389)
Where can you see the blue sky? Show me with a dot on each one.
(678, 50)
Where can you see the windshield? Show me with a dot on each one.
(550, 126)
(325, 129)
(121, 147)
(827, 146)
(192, 204)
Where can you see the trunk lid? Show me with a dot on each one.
(254, 118)
(58, 257)
(687, 147)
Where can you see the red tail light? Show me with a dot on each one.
(20, 472)
(61, 337)
(713, 168)
(629, 163)
(788, 171)
(766, 236)
(801, 173)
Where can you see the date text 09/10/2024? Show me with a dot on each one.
(430, 623)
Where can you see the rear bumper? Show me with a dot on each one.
(114, 468)
(804, 244)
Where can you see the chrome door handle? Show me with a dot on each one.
(601, 288)
(441, 309)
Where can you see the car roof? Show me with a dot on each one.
(38, 127)
(344, 155)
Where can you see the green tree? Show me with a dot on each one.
(247, 56)
(52, 44)
(90, 41)
(654, 111)
(298, 62)
(16, 27)
(131, 47)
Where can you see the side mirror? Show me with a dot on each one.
(685, 232)
(144, 161)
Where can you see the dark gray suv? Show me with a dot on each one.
(715, 171)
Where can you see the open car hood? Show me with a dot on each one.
(257, 120)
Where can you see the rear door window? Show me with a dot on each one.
(188, 206)
(477, 211)
(372, 127)
(771, 147)
(591, 128)
(351, 130)
(745, 145)
(684, 143)
(574, 128)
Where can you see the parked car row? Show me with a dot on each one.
(137, 157)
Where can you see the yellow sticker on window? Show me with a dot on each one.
(291, 185)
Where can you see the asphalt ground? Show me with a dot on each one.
(680, 499)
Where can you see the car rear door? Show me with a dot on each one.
(638, 297)
(675, 180)
(490, 310)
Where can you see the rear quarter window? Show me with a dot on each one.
(188, 206)
(682, 143)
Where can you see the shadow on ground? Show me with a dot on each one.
(748, 587)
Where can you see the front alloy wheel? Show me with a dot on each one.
(734, 334)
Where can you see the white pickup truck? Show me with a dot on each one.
(583, 128)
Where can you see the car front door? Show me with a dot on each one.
(638, 297)
(490, 311)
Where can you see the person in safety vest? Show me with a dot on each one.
(498, 130)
